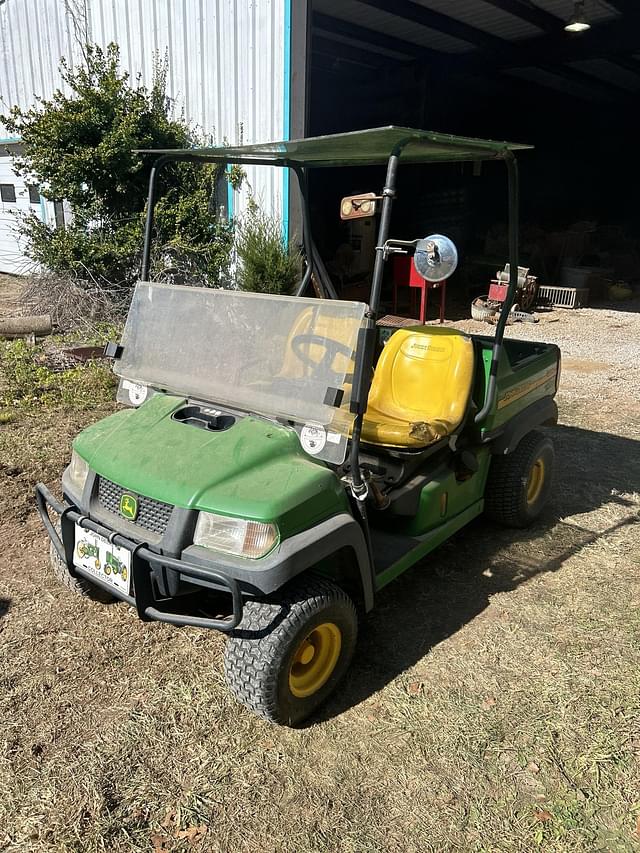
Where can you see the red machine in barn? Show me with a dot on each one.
(487, 308)
(526, 291)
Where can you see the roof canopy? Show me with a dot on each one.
(358, 148)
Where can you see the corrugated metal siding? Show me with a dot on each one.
(225, 62)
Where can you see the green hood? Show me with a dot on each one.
(255, 469)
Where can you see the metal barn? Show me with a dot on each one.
(230, 73)
(561, 75)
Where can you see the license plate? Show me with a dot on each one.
(106, 562)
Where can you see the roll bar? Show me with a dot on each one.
(312, 258)
(513, 191)
(314, 264)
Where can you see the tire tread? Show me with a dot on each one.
(504, 490)
(78, 585)
(251, 666)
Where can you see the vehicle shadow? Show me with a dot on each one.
(455, 584)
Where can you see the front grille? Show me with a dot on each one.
(152, 515)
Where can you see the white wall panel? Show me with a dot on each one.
(12, 257)
(225, 67)
(226, 62)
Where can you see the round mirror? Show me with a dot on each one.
(436, 257)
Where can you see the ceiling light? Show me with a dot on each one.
(578, 22)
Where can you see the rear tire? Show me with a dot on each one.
(78, 585)
(291, 650)
(519, 485)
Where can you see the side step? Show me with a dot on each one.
(395, 554)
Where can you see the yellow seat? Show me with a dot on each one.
(420, 389)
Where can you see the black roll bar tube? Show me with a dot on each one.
(314, 263)
(366, 340)
(242, 161)
(388, 195)
(307, 241)
(513, 191)
(151, 209)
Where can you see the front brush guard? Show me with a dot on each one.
(143, 561)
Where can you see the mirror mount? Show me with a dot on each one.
(435, 257)
(359, 206)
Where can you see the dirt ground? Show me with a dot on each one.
(493, 704)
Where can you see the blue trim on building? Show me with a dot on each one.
(286, 106)
(43, 209)
(230, 198)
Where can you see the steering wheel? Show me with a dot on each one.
(331, 350)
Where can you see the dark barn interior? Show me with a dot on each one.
(498, 69)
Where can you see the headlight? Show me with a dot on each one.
(77, 473)
(236, 536)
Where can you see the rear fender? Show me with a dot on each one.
(543, 412)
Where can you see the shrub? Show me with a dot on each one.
(80, 147)
(265, 264)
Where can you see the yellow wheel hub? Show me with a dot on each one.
(314, 660)
(535, 481)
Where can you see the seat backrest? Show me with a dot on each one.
(424, 374)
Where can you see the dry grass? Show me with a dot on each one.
(493, 704)
(73, 305)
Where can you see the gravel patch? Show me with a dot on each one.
(599, 346)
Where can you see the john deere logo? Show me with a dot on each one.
(129, 507)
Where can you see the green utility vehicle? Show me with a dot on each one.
(280, 463)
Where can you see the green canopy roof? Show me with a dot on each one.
(359, 148)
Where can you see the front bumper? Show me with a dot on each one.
(143, 563)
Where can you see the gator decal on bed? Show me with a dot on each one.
(519, 391)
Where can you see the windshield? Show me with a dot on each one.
(281, 356)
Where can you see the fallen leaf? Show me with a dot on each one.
(160, 843)
(414, 688)
(169, 818)
(542, 815)
(532, 767)
(637, 832)
(488, 702)
(192, 833)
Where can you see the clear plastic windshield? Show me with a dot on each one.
(281, 356)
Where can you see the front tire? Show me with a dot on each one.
(290, 651)
(78, 585)
(519, 484)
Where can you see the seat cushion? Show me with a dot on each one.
(393, 432)
(421, 387)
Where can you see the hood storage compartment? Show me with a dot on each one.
(204, 418)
